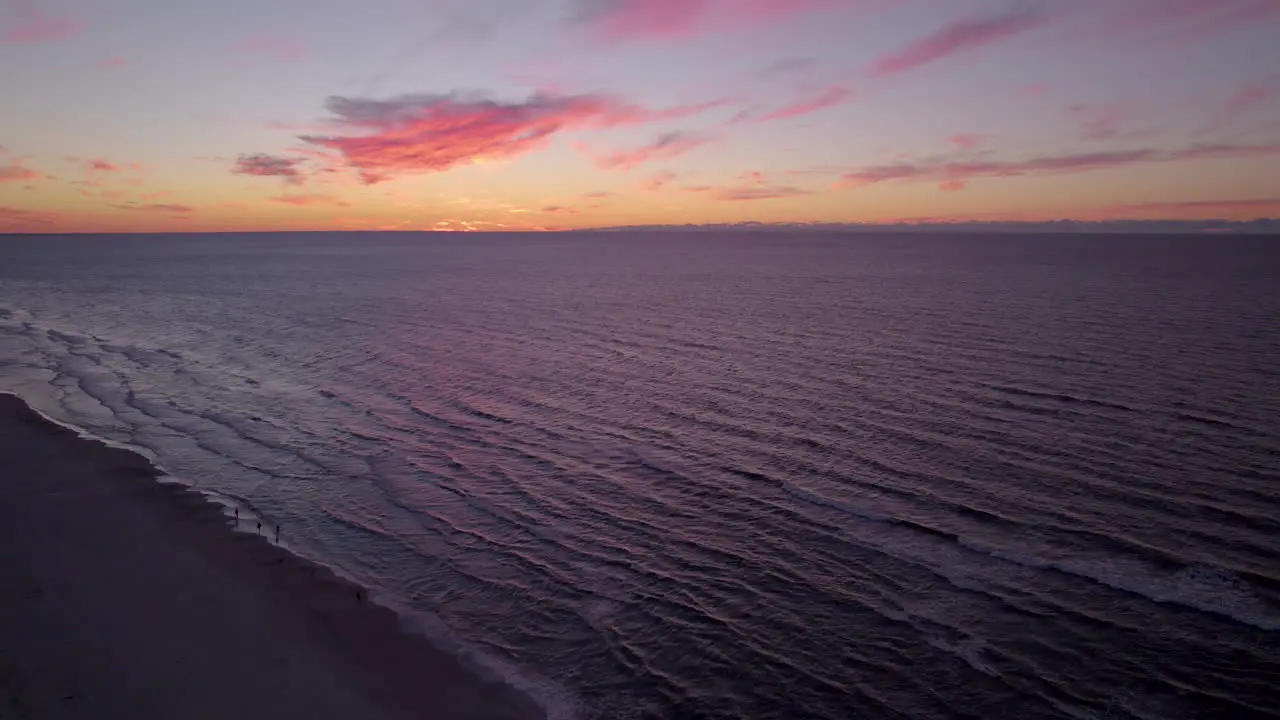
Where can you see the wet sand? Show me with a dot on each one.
(124, 597)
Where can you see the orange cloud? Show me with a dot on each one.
(559, 210)
(16, 172)
(1198, 208)
(167, 208)
(310, 200)
(659, 180)
(751, 185)
(434, 133)
(767, 192)
(18, 220)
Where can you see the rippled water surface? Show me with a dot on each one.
(726, 476)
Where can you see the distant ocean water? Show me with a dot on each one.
(726, 476)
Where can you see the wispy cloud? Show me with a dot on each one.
(949, 171)
(264, 165)
(751, 185)
(14, 219)
(959, 37)
(15, 171)
(1105, 122)
(1242, 102)
(310, 200)
(114, 62)
(613, 21)
(1187, 19)
(734, 194)
(658, 180)
(266, 47)
(787, 66)
(666, 147)
(437, 132)
(559, 210)
(822, 100)
(967, 141)
(100, 165)
(1197, 208)
(29, 25)
(166, 208)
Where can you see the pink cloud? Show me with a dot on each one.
(16, 172)
(953, 185)
(1244, 101)
(658, 180)
(434, 133)
(32, 26)
(967, 141)
(312, 199)
(114, 62)
(626, 20)
(827, 98)
(614, 21)
(264, 165)
(947, 171)
(958, 37)
(667, 146)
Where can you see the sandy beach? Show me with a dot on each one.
(124, 597)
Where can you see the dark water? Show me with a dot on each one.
(708, 476)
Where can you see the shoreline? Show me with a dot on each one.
(126, 595)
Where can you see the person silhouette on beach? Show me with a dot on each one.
(277, 533)
(259, 527)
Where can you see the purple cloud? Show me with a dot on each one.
(959, 37)
(264, 165)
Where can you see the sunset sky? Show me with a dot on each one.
(148, 115)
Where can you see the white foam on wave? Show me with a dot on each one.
(816, 499)
(1206, 588)
(555, 701)
(971, 650)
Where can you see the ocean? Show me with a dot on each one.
(725, 475)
